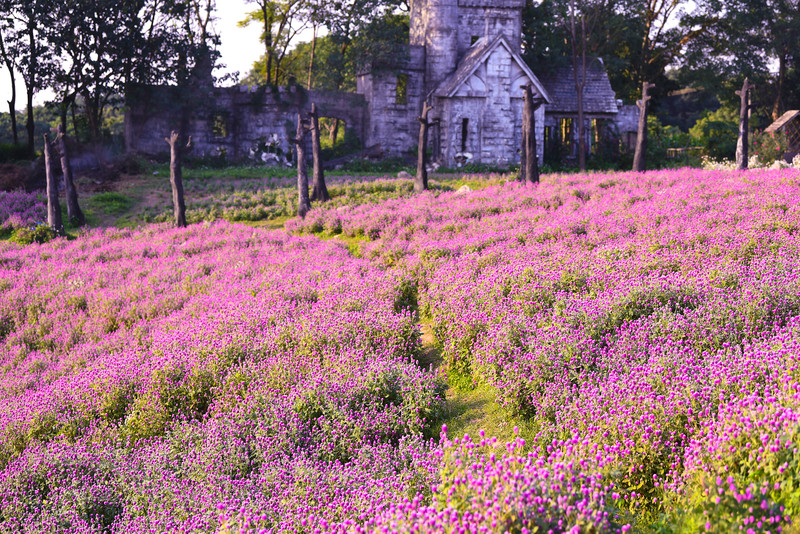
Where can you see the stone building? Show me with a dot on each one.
(463, 57)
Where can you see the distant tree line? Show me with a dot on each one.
(90, 51)
(707, 45)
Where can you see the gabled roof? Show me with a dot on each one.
(476, 57)
(782, 121)
(598, 97)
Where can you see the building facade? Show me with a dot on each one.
(463, 58)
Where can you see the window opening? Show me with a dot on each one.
(401, 94)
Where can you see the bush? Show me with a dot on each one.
(717, 132)
(40, 233)
(10, 152)
(768, 147)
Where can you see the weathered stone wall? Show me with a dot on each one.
(394, 126)
(493, 114)
(475, 21)
(232, 120)
(436, 29)
(627, 119)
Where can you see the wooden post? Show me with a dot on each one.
(53, 207)
(641, 138)
(74, 212)
(303, 203)
(421, 178)
(523, 152)
(530, 158)
(744, 125)
(318, 189)
(176, 177)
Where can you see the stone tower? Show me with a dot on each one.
(463, 59)
(447, 29)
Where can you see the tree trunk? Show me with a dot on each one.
(334, 132)
(176, 177)
(53, 207)
(74, 213)
(580, 81)
(744, 126)
(12, 104)
(531, 104)
(303, 203)
(318, 189)
(30, 88)
(267, 40)
(311, 62)
(523, 152)
(777, 104)
(641, 139)
(29, 125)
(74, 122)
(421, 178)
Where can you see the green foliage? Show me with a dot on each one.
(41, 233)
(768, 147)
(10, 152)
(110, 203)
(717, 132)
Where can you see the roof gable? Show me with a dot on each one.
(470, 75)
(598, 96)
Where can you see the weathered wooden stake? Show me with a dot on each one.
(744, 125)
(53, 207)
(421, 178)
(529, 165)
(641, 138)
(176, 177)
(74, 212)
(303, 203)
(318, 189)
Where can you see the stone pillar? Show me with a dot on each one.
(441, 41)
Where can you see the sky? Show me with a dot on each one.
(239, 47)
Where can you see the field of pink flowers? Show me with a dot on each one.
(220, 378)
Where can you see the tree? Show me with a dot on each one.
(744, 38)
(7, 58)
(580, 33)
(176, 176)
(375, 40)
(24, 23)
(74, 212)
(303, 203)
(421, 178)
(319, 191)
(281, 20)
(641, 138)
(53, 206)
(744, 114)
(529, 165)
(96, 42)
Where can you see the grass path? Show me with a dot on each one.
(470, 408)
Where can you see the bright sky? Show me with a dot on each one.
(240, 47)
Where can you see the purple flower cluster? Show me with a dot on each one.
(184, 380)
(645, 327)
(625, 310)
(18, 209)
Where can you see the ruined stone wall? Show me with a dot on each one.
(232, 120)
(627, 119)
(434, 26)
(394, 125)
(476, 20)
